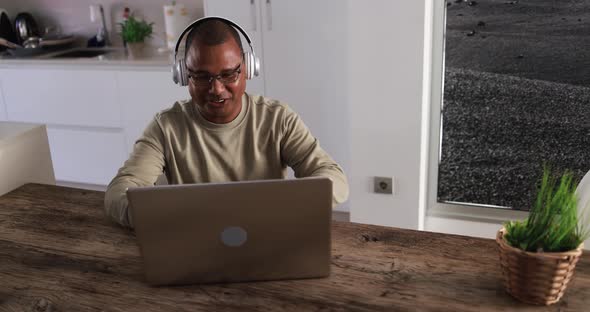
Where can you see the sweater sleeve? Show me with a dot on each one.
(144, 166)
(301, 151)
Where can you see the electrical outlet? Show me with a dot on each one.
(383, 185)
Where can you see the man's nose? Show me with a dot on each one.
(216, 86)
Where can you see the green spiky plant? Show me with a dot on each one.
(553, 223)
(134, 30)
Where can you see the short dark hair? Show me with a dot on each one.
(212, 32)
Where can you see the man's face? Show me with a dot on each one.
(219, 100)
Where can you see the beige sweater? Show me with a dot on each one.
(260, 143)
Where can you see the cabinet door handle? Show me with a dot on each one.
(268, 15)
(253, 14)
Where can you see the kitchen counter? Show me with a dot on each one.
(116, 58)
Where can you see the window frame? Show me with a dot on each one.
(464, 211)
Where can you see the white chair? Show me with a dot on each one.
(583, 192)
(24, 156)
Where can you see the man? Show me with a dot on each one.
(222, 133)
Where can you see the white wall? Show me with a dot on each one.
(386, 52)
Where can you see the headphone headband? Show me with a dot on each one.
(206, 18)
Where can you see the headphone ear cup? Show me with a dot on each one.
(252, 65)
(175, 74)
(255, 66)
(248, 63)
(183, 72)
(179, 73)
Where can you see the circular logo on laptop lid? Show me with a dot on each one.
(234, 236)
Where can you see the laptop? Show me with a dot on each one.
(233, 232)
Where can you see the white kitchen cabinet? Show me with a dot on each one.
(93, 114)
(61, 96)
(86, 155)
(246, 14)
(2, 105)
(81, 110)
(304, 56)
(142, 95)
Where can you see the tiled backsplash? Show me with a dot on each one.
(74, 16)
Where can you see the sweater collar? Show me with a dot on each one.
(226, 126)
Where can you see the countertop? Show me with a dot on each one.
(115, 58)
(60, 253)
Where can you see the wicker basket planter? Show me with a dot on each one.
(536, 278)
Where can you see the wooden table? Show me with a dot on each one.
(59, 253)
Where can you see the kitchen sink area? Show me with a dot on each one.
(67, 53)
(84, 53)
(89, 56)
(80, 53)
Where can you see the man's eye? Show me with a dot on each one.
(227, 75)
(200, 77)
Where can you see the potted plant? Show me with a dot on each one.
(134, 32)
(538, 255)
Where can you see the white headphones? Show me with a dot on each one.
(179, 71)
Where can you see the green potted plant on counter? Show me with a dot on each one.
(134, 32)
(539, 254)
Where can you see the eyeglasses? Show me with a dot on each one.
(204, 80)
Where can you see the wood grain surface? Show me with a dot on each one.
(58, 252)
